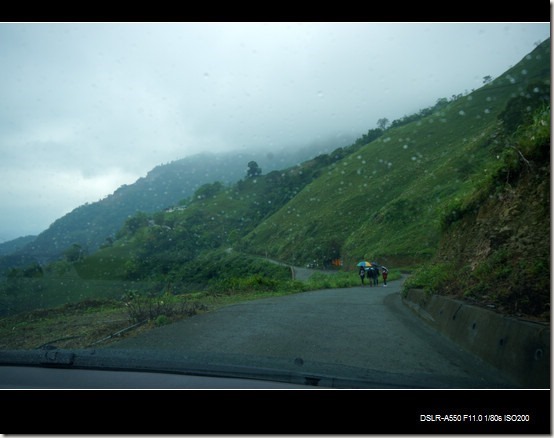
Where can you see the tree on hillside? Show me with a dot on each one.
(519, 110)
(253, 170)
(133, 224)
(74, 253)
(383, 123)
(208, 190)
(371, 135)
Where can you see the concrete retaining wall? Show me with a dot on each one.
(519, 349)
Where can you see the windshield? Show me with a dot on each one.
(288, 206)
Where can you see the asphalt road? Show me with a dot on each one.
(360, 333)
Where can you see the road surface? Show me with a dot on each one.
(359, 333)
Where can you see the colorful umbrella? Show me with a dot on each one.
(364, 264)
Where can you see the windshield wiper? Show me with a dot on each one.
(318, 376)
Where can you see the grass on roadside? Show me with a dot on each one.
(94, 323)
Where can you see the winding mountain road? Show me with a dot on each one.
(360, 333)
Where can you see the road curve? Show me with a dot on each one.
(360, 333)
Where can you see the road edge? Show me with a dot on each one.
(519, 349)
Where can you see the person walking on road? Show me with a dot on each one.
(362, 275)
(371, 276)
(385, 273)
(375, 275)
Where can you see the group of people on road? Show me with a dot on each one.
(372, 273)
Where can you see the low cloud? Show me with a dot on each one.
(88, 107)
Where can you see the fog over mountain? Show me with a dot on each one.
(93, 224)
(89, 107)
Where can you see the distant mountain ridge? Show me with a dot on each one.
(14, 245)
(89, 225)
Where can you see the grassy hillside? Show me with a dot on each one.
(386, 200)
(91, 224)
(495, 246)
(164, 245)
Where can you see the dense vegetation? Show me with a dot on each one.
(93, 224)
(414, 194)
(386, 200)
(495, 245)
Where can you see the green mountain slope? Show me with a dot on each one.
(89, 225)
(386, 200)
(162, 245)
(495, 243)
(12, 246)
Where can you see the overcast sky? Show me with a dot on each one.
(87, 107)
